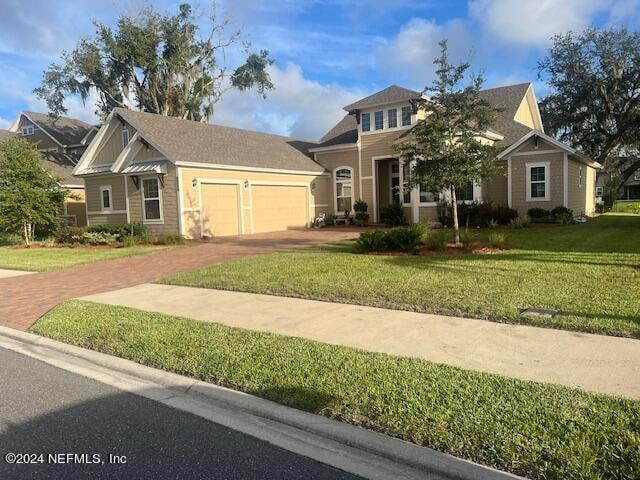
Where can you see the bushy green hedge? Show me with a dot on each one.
(476, 214)
(404, 239)
(393, 215)
(136, 229)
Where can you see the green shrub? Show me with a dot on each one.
(601, 208)
(437, 240)
(497, 239)
(10, 239)
(372, 241)
(360, 206)
(503, 214)
(129, 241)
(121, 230)
(443, 212)
(566, 218)
(493, 224)
(329, 219)
(99, 238)
(362, 219)
(406, 239)
(535, 213)
(392, 215)
(466, 238)
(170, 239)
(69, 235)
(520, 222)
(479, 214)
(560, 210)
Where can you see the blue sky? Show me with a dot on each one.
(328, 52)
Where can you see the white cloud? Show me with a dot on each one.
(533, 22)
(5, 123)
(409, 56)
(298, 107)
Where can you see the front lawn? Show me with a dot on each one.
(529, 428)
(50, 258)
(627, 206)
(589, 273)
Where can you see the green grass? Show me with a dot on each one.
(51, 258)
(533, 429)
(622, 206)
(589, 273)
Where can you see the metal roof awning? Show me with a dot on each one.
(157, 166)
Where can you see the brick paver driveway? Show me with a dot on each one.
(26, 298)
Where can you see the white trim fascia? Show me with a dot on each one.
(492, 136)
(509, 187)
(565, 180)
(86, 202)
(126, 198)
(368, 177)
(68, 185)
(320, 205)
(106, 188)
(360, 177)
(241, 168)
(130, 151)
(112, 212)
(84, 139)
(330, 148)
(335, 188)
(179, 200)
(547, 182)
(107, 127)
(536, 152)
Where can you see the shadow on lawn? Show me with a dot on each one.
(298, 397)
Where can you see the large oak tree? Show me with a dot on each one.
(158, 62)
(594, 104)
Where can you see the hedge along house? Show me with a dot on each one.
(198, 179)
(361, 153)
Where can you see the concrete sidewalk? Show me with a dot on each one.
(592, 362)
(4, 273)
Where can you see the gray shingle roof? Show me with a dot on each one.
(61, 166)
(188, 141)
(391, 94)
(507, 98)
(344, 132)
(66, 131)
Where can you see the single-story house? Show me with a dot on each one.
(205, 180)
(62, 142)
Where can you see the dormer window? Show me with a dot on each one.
(366, 122)
(379, 120)
(125, 137)
(27, 130)
(392, 118)
(406, 116)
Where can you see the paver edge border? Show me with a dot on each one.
(399, 451)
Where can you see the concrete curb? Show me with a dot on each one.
(353, 449)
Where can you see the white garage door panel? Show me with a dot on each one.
(279, 207)
(221, 209)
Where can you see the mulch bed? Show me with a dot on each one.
(477, 248)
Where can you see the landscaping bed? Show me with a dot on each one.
(588, 273)
(537, 430)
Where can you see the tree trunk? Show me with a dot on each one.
(454, 214)
(26, 237)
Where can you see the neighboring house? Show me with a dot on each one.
(630, 188)
(62, 143)
(206, 180)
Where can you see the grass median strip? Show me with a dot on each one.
(588, 273)
(50, 258)
(532, 429)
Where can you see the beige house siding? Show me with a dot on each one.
(39, 137)
(519, 185)
(333, 160)
(112, 147)
(169, 202)
(118, 198)
(428, 214)
(496, 189)
(190, 198)
(76, 207)
(577, 190)
(530, 146)
(375, 145)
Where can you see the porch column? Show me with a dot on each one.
(415, 205)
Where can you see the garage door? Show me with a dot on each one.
(220, 209)
(279, 207)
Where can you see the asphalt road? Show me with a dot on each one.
(46, 410)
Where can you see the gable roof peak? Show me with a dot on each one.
(391, 94)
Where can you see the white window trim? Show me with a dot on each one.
(106, 188)
(27, 128)
(387, 115)
(361, 129)
(385, 119)
(151, 221)
(391, 177)
(335, 188)
(547, 183)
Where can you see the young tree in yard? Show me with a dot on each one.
(29, 196)
(157, 62)
(444, 148)
(594, 105)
